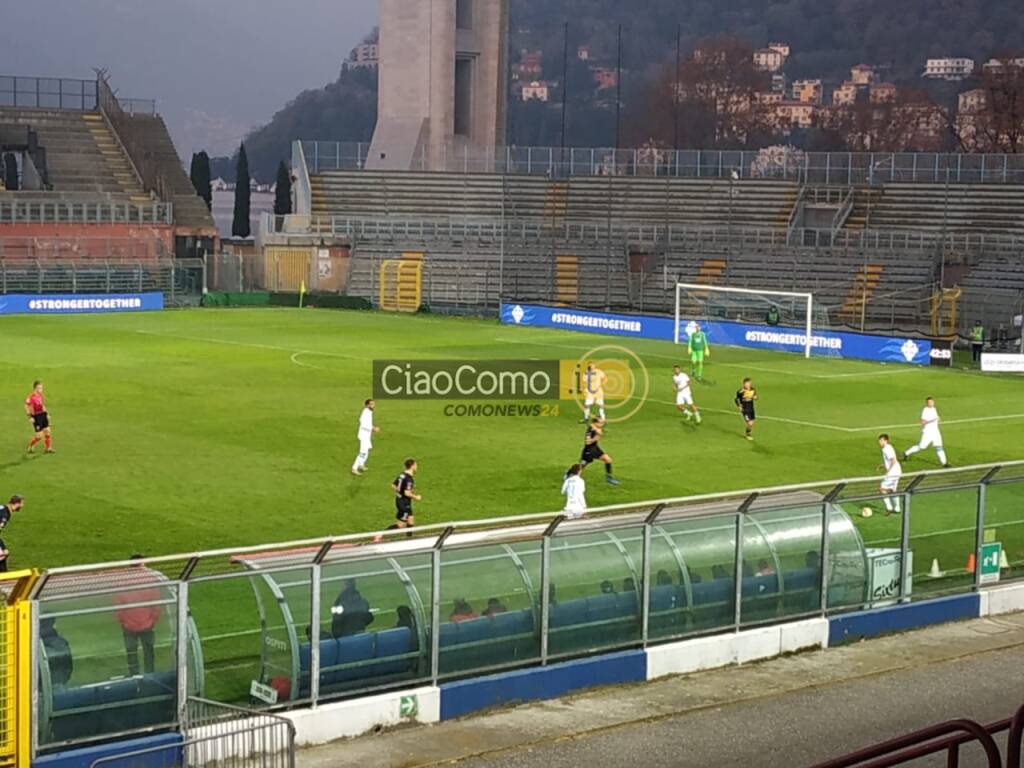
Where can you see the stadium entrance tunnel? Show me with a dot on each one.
(376, 605)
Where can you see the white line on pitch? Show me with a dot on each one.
(852, 430)
(295, 359)
(250, 345)
(944, 533)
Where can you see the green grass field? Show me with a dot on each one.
(182, 431)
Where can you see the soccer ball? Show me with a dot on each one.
(866, 512)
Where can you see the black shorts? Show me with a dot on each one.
(748, 414)
(40, 421)
(591, 453)
(403, 512)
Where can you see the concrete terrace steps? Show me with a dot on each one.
(643, 200)
(82, 155)
(955, 207)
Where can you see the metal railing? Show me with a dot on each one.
(181, 280)
(21, 208)
(61, 93)
(842, 168)
(686, 566)
(948, 738)
(47, 93)
(596, 231)
(220, 735)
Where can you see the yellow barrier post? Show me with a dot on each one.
(16, 669)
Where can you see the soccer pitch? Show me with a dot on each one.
(180, 431)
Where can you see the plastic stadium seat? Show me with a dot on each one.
(449, 634)
(394, 642)
(602, 608)
(568, 614)
(717, 591)
(626, 604)
(805, 578)
(663, 598)
(755, 586)
(513, 623)
(474, 630)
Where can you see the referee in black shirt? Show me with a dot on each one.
(6, 510)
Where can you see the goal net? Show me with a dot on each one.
(784, 320)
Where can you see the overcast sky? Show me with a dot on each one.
(215, 67)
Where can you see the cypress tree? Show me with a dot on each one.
(283, 195)
(240, 225)
(204, 189)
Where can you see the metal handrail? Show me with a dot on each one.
(428, 531)
(599, 230)
(945, 737)
(841, 168)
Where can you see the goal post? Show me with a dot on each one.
(744, 305)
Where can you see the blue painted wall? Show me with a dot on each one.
(548, 682)
(898, 618)
(82, 758)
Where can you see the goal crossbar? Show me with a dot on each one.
(807, 298)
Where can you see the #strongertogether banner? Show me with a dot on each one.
(860, 346)
(77, 303)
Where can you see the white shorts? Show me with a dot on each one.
(684, 398)
(365, 443)
(590, 400)
(891, 482)
(930, 438)
(574, 513)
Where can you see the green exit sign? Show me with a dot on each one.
(408, 706)
(988, 573)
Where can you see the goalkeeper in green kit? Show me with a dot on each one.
(699, 349)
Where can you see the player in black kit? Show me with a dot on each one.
(404, 496)
(592, 451)
(746, 396)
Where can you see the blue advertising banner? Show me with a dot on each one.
(76, 303)
(861, 346)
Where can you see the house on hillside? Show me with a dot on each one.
(948, 69)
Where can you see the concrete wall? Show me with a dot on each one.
(84, 242)
(419, 44)
(353, 718)
(736, 648)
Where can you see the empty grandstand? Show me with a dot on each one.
(102, 201)
(875, 238)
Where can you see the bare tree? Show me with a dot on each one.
(715, 93)
(990, 117)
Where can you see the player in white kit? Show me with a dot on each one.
(684, 394)
(574, 488)
(893, 472)
(365, 436)
(930, 434)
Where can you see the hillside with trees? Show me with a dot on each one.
(826, 39)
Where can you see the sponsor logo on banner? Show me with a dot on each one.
(992, 362)
(70, 303)
(860, 346)
(942, 353)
